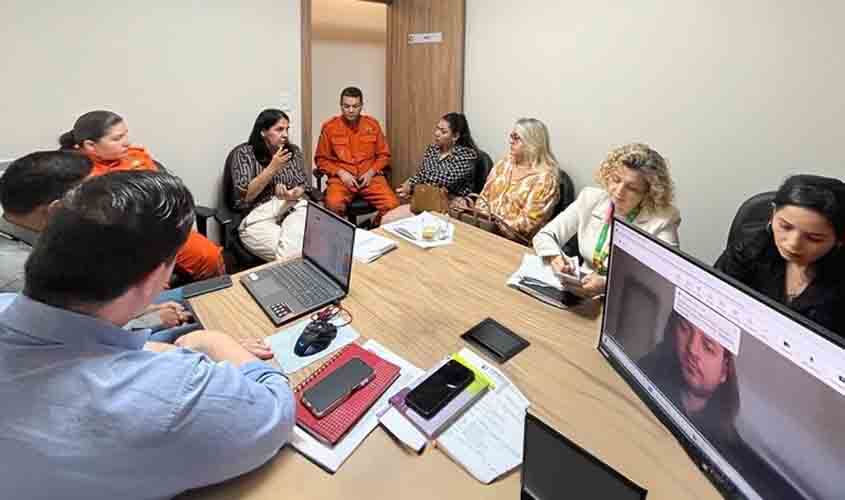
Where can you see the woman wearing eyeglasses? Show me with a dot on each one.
(636, 186)
(523, 189)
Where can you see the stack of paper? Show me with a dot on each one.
(538, 280)
(411, 230)
(370, 246)
(487, 440)
(330, 458)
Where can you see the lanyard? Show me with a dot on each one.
(600, 253)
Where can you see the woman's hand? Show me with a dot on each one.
(560, 265)
(404, 191)
(293, 194)
(279, 160)
(594, 284)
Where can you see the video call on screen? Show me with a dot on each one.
(759, 394)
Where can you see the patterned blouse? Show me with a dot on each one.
(454, 172)
(525, 205)
(245, 168)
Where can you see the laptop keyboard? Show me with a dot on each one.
(301, 282)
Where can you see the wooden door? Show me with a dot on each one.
(424, 80)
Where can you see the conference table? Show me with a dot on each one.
(417, 303)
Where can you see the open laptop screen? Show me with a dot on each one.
(328, 243)
(554, 467)
(755, 393)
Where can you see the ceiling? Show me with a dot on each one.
(348, 20)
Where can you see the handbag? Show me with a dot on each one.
(429, 198)
(477, 213)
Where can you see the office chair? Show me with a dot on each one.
(483, 165)
(752, 216)
(567, 196)
(358, 206)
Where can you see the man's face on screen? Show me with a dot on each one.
(703, 361)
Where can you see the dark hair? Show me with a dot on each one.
(352, 92)
(458, 125)
(39, 178)
(106, 235)
(92, 126)
(265, 120)
(824, 195)
(723, 405)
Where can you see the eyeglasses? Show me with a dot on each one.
(513, 137)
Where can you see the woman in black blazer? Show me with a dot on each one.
(798, 259)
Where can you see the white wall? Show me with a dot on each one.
(737, 95)
(337, 64)
(348, 47)
(189, 76)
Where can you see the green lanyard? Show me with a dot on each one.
(600, 253)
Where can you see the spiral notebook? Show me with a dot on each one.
(332, 427)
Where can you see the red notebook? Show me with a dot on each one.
(331, 427)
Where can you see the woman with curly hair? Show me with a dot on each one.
(636, 185)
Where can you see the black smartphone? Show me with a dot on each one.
(439, 388)
(206, 286)
(333, 390)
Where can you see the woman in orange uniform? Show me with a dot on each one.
(104, 137)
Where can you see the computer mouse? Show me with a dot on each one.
(316, 337)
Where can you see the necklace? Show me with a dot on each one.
(796, 282)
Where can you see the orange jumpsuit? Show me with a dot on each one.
(355, 149)
(198, 257)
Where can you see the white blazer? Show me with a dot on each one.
(585, 217)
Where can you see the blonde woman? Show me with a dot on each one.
(635, 185)
(523, 189)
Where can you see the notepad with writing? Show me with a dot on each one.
(332, 427)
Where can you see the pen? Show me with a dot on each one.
(404, 232)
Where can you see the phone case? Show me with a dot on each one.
(333, 390)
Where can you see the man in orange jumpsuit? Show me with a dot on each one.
(352, 152)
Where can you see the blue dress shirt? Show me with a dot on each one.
(87, 413)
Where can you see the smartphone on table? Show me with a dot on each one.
(329, 393)
(439, 388)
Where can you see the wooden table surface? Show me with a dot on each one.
(417, 303)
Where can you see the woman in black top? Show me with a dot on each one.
(448, 162)
(798, 260)
(267, 164)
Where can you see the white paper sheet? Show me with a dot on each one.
(532, 266)
(331, 458)
(283, 341)
(487, 440)
(411, 230)
(370, 246)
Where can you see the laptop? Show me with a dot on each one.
(553, 467)
(290, 289)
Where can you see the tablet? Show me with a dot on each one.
(501, 343)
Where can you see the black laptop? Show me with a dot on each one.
(290, 289)
(553, 467)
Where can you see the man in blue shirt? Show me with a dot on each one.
(88, 412)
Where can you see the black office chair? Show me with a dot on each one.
(752, 216)
(483, 165)
(567, 196)
(358, 207)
